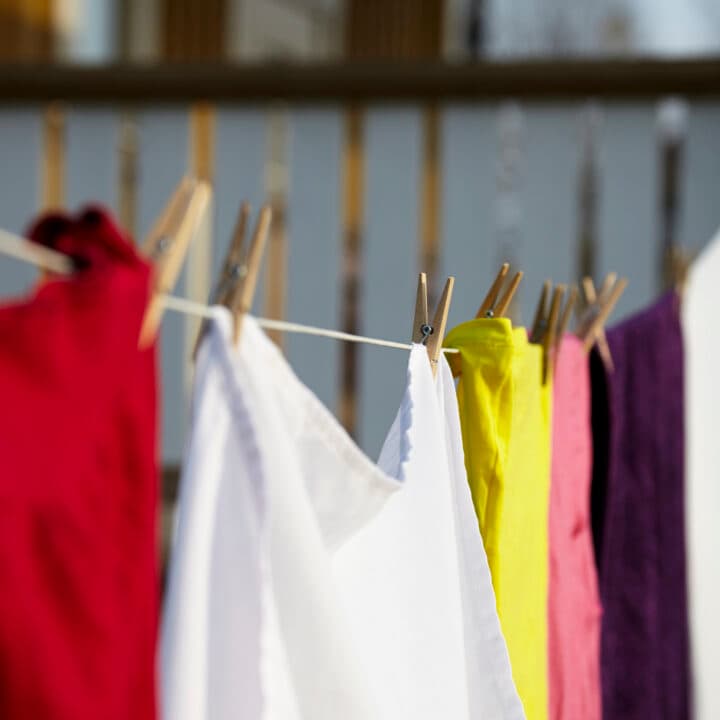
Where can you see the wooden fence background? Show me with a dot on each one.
(376, 172)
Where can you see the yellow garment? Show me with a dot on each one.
(505, 419)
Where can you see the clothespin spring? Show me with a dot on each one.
(427, 331)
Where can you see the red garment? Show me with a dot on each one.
(78, 486)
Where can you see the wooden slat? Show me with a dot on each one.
(128, 170)
(353, 182)
(276, 271)
(587, 193)
(671, 134)
(193, 30)
(239, 174)
(430, 200)
(199, 258)
(27, 30)
(360, 82)
(202, 128)
(400, 29)
(276, 189)
(53, 158)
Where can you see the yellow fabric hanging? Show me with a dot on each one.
(505, 414)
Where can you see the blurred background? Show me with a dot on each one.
(569, 137)
(148, 31)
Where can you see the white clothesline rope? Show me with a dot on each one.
(178, 304)
(21, 249)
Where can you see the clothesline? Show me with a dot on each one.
(21, 249)
(183, 305)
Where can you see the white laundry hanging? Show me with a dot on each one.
(308, 583)
(702, 476)
(253, 627)
(415, 579)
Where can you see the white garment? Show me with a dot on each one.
(416, 580)
(702, 475)
(253, 628)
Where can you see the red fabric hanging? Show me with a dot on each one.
(79, 486)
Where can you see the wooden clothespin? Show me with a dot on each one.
(594, 302)
(232, 271)
(599, 312)
(421, 329)
(504, 303)
(431, 335)
(562, 325)
(490, 300)
(550, 337)
(539, 326)
(167, 243)
(607, 285)
(491, 306)
(233, 268)
(239, 300)
(544, 331)
(566, 314)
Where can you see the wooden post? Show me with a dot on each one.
(397, 29)
(192, 30)
(128, 154)
(276, 187)
(53, 159)
(588, 185)
(199, 257)
(672, 118)
(430, 200)
(353, 183)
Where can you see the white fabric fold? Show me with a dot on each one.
(253, 627)
(416, 580)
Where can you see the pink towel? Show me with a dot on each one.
(573, 601)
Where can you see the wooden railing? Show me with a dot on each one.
(381, 170)
(362, 82)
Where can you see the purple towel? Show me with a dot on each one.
(639, 520)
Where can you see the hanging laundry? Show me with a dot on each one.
(78, 550)
(415, 579)
(271, 486)
(638, 517)
(702, 468)
(573, 601)
(505, 416)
